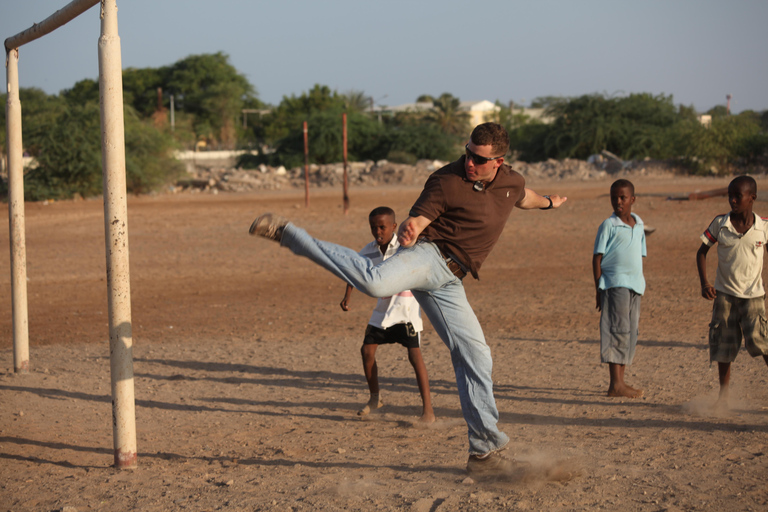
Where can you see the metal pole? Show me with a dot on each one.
(306, 167)
(173, 115)
(344, 151)
(116, 230)
(16, 217)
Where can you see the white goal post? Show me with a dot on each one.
(115, 214)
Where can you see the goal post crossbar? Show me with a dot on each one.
(64, 15)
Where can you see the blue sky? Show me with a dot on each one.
(696, 50)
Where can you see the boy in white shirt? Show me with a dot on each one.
(738, 293)
(395, 319)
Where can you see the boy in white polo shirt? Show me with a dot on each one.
(395, 319)
(617, 266)
(739, 308)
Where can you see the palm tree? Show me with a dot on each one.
(356, 101)
(448, 116)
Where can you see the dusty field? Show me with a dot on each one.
(248, 374)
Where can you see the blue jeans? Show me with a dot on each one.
(422, 270)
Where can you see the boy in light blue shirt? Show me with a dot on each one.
(617, 265)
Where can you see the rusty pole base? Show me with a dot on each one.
(125, 460)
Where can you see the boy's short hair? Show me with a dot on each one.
(740, 181)
(622, 183)
(491, 134)
(382, 210)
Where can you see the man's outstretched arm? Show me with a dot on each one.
(531, 201)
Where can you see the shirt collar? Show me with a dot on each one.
(392, 247)
(759, 224)
(617, 222)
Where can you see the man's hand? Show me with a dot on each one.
(597, 301)
(410, 229)
(557, 200)
(344, 304)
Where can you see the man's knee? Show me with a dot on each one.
(373, 289)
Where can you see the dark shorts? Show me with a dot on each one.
(398, 333)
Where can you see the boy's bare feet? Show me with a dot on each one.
(373, 403)
(625, 391)
(722, 400)
(427, 418)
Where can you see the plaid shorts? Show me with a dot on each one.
(619, 319)
(733, 317)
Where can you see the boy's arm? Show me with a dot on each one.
(345, 301)
(597, 259)
(707, 290)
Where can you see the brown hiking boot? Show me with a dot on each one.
(269, 226)
(493, 466)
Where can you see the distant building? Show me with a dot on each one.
(421, 107)
(479, 111)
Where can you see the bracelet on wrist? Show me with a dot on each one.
(550, 203)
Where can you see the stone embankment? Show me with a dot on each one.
(383, 172)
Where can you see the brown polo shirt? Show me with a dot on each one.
(464, 222)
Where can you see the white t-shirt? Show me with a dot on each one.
(739, 256)
(397, 309)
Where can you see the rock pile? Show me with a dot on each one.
(383, 172)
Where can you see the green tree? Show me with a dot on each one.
(548, 101)
(140, 88)
(38, 111)
(412, 142)
(365, 140)
(356, 101)
(69, 156)
(631, 127)
(718, 111)
(213, 91)
(82, 92)
(294, 110)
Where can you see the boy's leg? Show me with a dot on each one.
(452, 317)
(414, 356)
(370, 368)
(618, 337)
(724, 375)
(371, 371)
(725, 334)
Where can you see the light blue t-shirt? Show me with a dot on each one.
(623, 250)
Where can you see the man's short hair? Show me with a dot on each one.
(491, 134)
(382, 210)
(744, 180)
(623, 183)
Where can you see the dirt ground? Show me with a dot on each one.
(248, 373)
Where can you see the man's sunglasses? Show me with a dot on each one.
(479, 160)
